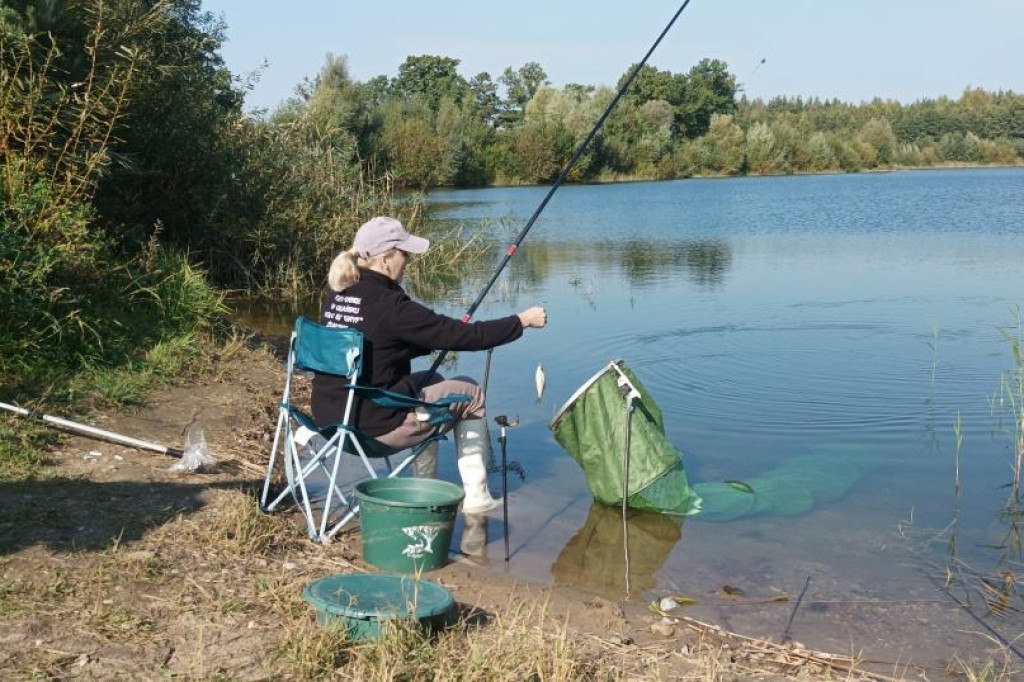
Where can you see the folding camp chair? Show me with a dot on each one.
(337, 351)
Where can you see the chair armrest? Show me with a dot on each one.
(438, 411)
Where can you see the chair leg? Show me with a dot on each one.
(289, 460)
(429, 451)
(300, 474)
(281, 420)
(332, 488)
(336, 528)
(296, 474)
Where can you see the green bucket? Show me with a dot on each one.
(407, 522)
(365, 605)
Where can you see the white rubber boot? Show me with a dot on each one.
(425, 465)
(474, 446)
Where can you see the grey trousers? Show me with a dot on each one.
(413, 430)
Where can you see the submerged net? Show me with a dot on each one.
(592, 427)
(671, 493)
(789, 490)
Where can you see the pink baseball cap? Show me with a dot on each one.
(381, 234)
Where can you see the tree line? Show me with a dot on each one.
(430, 126)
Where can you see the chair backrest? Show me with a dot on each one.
(330, 350)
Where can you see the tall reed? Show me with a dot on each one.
(1008, 406)
(1010, 399)
(306, 200)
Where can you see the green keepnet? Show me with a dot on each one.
(591, 427)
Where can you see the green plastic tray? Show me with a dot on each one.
(365, 603)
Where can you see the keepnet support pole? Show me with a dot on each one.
(511, 251)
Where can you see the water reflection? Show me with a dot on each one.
(270, 317)
(473, 542)
(617, 558)
(705, 261)
(810, 332)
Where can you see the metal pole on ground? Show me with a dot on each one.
(91, 431)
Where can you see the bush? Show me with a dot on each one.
(65, 279)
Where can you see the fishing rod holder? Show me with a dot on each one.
(505, 423)
(514, 466)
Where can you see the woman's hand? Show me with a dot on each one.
(533, 317)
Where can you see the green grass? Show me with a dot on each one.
(22, 447)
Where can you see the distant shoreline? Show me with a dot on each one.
(710, 176)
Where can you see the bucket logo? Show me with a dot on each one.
(423, 540)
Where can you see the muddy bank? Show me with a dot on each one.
(113, 565)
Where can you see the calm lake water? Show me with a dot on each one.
(858, 317)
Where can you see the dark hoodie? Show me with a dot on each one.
(395, 330)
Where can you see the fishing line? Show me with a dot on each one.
(514, 247)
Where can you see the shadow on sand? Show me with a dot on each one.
(73, 514)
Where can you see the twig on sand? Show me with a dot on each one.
(790, 657)
(787, 657)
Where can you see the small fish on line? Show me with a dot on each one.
(539, 380)
(739, 485)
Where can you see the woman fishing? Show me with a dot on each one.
(365, 292)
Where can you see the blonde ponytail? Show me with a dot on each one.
(344, 271)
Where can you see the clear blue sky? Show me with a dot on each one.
(855, 50)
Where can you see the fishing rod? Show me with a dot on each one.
(514, 247)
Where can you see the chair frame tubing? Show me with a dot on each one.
(343, 442)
